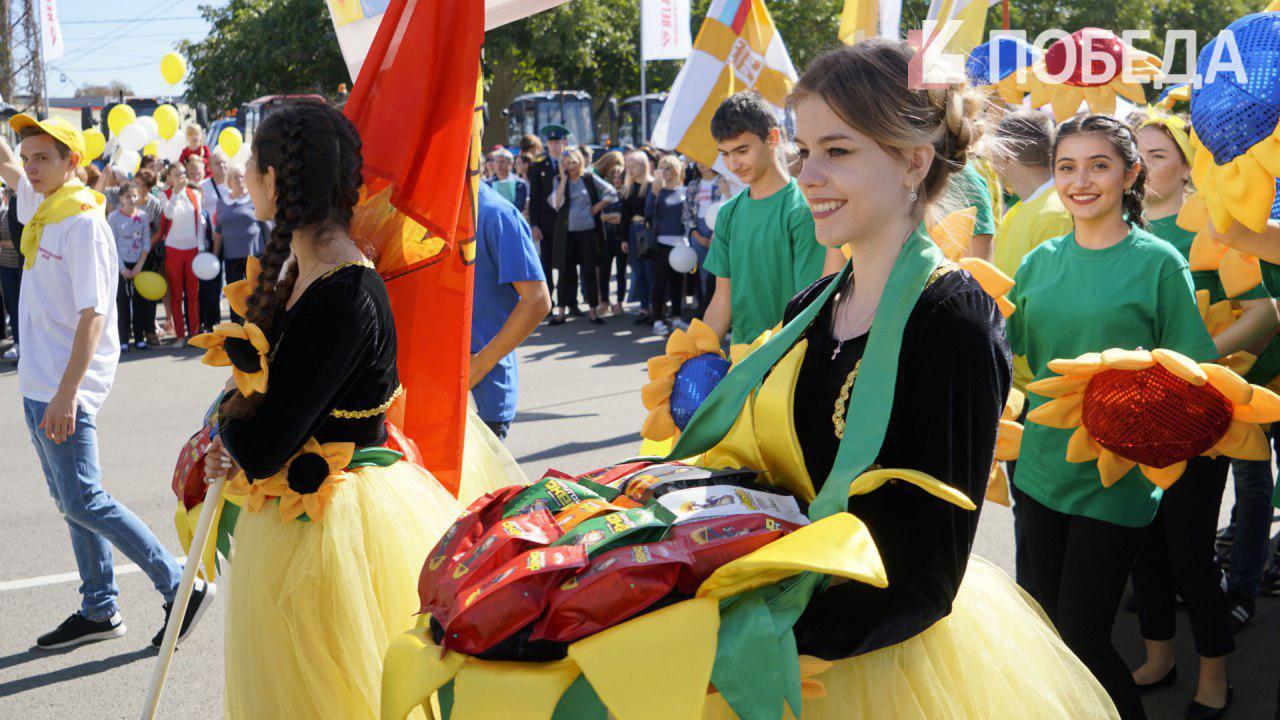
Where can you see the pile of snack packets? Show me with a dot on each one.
(527, 569)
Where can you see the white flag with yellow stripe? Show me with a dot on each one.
(863, 19)
(738, 48)
(972, 15)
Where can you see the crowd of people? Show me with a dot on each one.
(161, 216)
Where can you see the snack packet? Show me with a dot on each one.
(460, 537)
(497, 545)
(574, 514)
(639, 525)
(700, 503)
(555, 494)
(615, 586)
(716, 541)
(655, 481)
(484, 615)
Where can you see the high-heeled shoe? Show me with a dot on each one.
(1197, 711)
(1170, 679)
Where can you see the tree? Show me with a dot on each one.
(115, 88)
(263, 47)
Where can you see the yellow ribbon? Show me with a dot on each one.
(69, 200)
(1177, 128)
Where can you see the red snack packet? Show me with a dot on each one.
(486, 614)
(493, 547)
(470, 525)
(717, 541)
(569, 517)
(615, 586)
(609, 475)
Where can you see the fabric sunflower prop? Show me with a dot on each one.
(1105, 80)
(1154, 409)
(1173, 95)
(996, 65)
(951, 234)
(239, 291)
(242, 347)
(681, 379)
(1237, 138)
(1008, 442)
(304, 486)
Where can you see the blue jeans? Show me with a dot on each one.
(641, 285)
(95, 519)
(1252, 519)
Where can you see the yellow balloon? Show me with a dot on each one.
(120, 117)
(166, 117)
(151, 285)
(94, 144)
(173, 68)
(152, 148)
(230, 140)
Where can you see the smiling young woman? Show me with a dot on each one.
(1108, 284)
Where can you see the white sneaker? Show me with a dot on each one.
(661, 328)
(11, 353)
(678, 322)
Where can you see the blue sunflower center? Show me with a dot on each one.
(307, 473)
(1232, 113)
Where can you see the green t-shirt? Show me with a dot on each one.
(767, 249)
(971, 189)
(1166, 228)
(1069, 301)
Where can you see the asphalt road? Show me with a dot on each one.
(579, 408)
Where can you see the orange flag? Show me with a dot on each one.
(416, 104)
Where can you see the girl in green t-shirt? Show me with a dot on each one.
(1108, 284)
(1178, 549)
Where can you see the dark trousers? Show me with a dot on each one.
(235, 271)
(1021, 565)
(133, 313)
(1251, 520)
(1176, 556)
(10, 284)
(667, 284)
(1081, 566)
(611, 255)
(211, 302)
(546, 254)
(580, 257)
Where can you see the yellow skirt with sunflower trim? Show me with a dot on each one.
(312, 606)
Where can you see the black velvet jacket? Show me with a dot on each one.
(333, 355)
(953, 377)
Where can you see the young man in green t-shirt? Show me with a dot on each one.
(764, 250)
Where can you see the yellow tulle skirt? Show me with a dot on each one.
(311, 607)
(995, 657)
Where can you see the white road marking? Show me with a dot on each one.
(43, 580)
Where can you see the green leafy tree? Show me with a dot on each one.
(263, 47)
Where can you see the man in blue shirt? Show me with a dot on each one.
(510, 299)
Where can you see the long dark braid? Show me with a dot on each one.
(1126, 145)
(315, 152)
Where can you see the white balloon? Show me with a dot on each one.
(206, 266)
(171, 149)
(149, 125)
(128, 161)
(133, 137)
(683, 259)
(712, 212)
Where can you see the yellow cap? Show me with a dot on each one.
(61, 130)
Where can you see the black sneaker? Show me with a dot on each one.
(1270, 584)
(78, 629)
(1242, 609)
(201, 598)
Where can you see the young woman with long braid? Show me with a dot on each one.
(336, 527)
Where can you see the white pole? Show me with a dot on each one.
(212, 497)
(644, 105)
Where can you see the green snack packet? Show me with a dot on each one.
(638, 525)
(554, 494)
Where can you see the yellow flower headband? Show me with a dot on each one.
(1177, 128)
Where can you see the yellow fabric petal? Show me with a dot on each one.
(1120, 359)
(1239, 273)
(1058, 386)
(658, 424)
(1008, 440)
(1086, 364)
(254, 335)
(990, 277)
(1263, 407)
(952, 233)
(1231, 385)
(664, 366)
(679, 343)
(998, 485)
(1267, 153)
(231, 330)
(1239, 362)
(412, 670)
(216, 357)
(1164, 477)
(705, 338)
(1066, 101)
(1219, 317)
(487, 690)
(1041, 92)
(1131, 91)
(1063, 413)
(1251, 192)
(657, 392)
(244, 383)
(1006, 307)
(337, 455)
(1014, 404)
(1244, 441)
(206, 340)
(1112, 467)
(1101, 99)
(291, 506)
(1181, 366)
(874, 479)
(1206, 253)
(654, 682)
(839, 545)
(258, 380)
(1082, 447)
(1193, 216)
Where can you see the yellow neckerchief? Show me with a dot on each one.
(69, 200)
(1177, 128)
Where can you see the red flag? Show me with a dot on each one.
(415, 104)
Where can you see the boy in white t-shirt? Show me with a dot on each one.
(70, 347)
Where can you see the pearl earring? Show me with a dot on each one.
(912, 196)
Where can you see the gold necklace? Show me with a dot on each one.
(842, 402)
